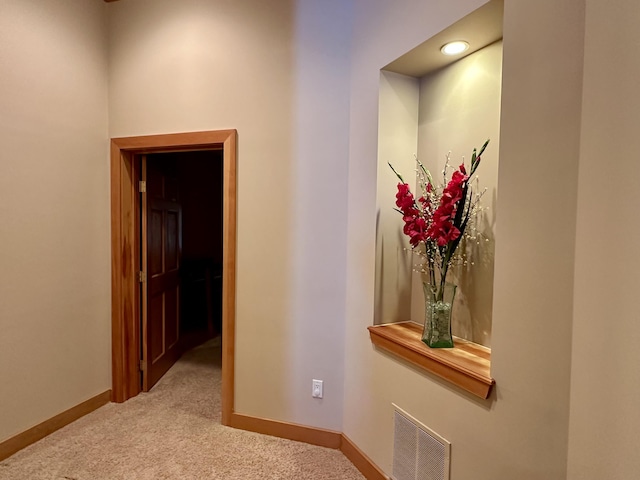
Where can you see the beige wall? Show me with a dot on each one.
(522, 431)
(54, 209)
(605, 386)
(397, 144)
(278, 73)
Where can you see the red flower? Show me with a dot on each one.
(438, 218)
(405, 200)
(415, 225)
(442, 229)
(415, 228)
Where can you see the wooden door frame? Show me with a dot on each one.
(125, 254)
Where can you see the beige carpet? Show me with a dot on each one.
(173, 432)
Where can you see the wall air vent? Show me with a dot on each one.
(418, 452)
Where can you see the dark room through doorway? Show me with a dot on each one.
(182, 255)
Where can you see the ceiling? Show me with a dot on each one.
(480, 28)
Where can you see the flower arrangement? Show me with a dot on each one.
(438, 219)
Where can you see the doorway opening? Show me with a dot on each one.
(203, 267)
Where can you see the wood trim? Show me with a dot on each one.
(290, 431)
(229, 222)
(125, 236)
(313, 436)
(176, 142)
(467, 365)
(124, 266)
(362, 462)
(32, 435)
(117, 327)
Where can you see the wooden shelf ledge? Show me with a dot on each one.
(467, 364)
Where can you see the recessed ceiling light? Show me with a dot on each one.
(454, 48)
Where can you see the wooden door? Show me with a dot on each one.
(161, 250)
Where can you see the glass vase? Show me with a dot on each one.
(438, 303)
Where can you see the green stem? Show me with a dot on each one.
(444, 270)
(397, 174)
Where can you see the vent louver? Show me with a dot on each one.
(418, 452)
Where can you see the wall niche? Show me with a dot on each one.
(430, 105)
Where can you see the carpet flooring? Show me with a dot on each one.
(172, 432)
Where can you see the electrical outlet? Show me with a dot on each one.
(316, 389)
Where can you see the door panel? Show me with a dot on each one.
(154, 327)
(161, 320)
(172, 239)
(154, 242)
